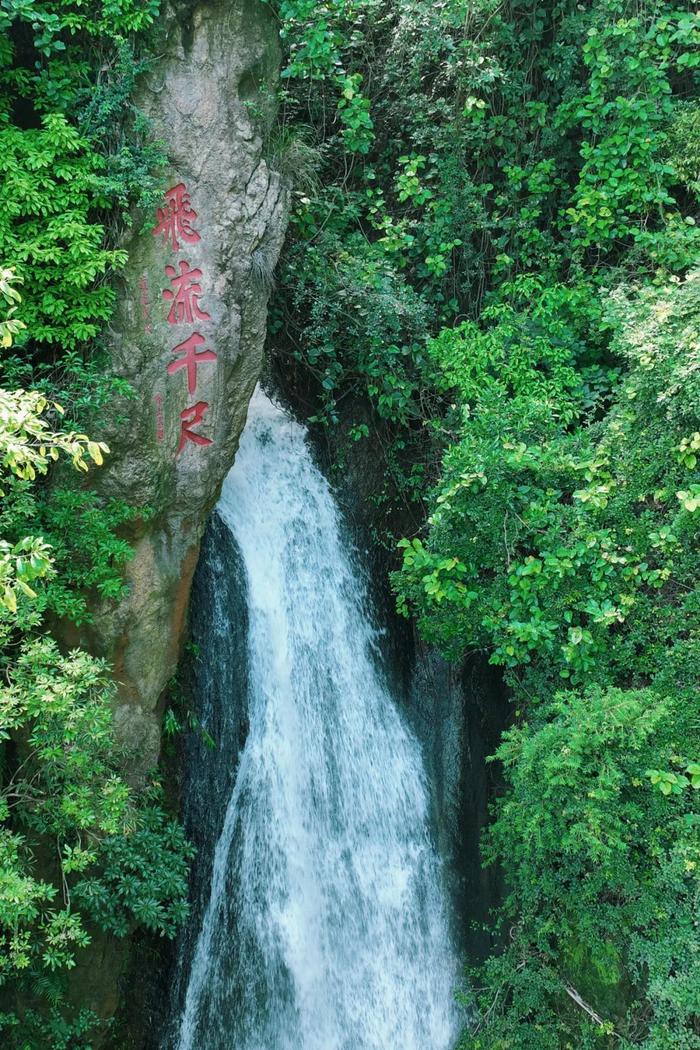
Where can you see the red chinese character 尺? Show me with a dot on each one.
(189, 418)
(189, 358)
(184, 295)
(176, 218)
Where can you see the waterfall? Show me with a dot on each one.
(325, 927)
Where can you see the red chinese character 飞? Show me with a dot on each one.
(190, 357)
(184, 295)
(192, 417)
(176, 218)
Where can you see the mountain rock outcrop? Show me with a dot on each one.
(189, 331)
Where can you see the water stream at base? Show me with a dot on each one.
(325, 927)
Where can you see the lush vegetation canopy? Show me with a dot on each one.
(81, 849)
(493, 273)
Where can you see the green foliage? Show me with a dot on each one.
(28, 445)
(358, 304)
(571, 554)
(141, 877)
(581, 528)
(315, 35)
(89, 555)
(78, 845)
(120, 859)
(504, 280)
(490, 175)
(52, 182)
(9, 326)
(51, 1029)
(73, 155)
(76, 842)
(51, 20)
(507, 139)
(625, 178)
(603, 880)
(684, 145)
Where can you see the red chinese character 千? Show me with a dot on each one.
(176, 218)
(190, 357)
(192, 417)
(185, 297)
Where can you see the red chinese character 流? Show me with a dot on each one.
(192, 417)
(185, 297)
(190, 357)
(176, 218)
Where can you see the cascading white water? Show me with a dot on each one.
(325, 928)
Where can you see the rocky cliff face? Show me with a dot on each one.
(189, 331)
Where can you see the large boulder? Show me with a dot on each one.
(189, 331)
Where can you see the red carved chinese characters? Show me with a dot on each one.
(176, 218)
(189, 358)
(184, 295)
(175, 224)
(189, 418)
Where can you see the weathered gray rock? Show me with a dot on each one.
(207, 98)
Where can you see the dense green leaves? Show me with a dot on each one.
(571, 556)
(121, 860)
(79, 847)
(72, 158)
(52, 182)
(604, 880)
(76, 842)
(505, 280)
(507, 138)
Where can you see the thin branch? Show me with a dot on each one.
(576, 997)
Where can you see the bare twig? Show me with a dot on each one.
(573, 994)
